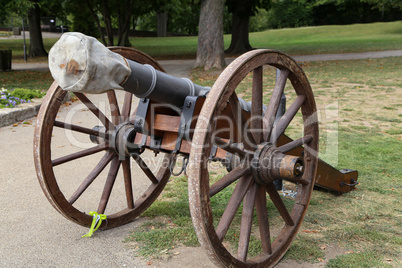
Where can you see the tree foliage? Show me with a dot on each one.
(82, 21)
(295, 13)
(292, 13)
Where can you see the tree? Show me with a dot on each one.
(242, 10)
(112, 10)
(36, 47)
(31, 8)
(124, 14)
(210, 51)
(82, 21)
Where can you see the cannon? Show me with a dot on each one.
(234, 149)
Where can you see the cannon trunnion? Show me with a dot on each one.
(232, 150)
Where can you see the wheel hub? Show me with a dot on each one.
(122, 140)
(269, 164)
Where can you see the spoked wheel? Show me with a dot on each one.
(239, 216)
(77, 175)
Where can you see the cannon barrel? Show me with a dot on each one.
(81, 63)
(146, 82)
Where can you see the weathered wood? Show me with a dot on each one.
(128, 183)
(107, 190)
(105, 121)
(263, 223)
(256, 124)
(272, 109)
(228, 179)
(233, 205)
(114, 107)
(246, 222)
(49, 181)
(126, 110)
(280, 206)
(221, 98)
(77, 155)
(285, 120)
(91, 177)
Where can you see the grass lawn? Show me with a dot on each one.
(295, 41)
(363, 224)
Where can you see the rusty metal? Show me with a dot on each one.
(252, 146)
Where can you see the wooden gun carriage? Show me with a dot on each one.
(205, 126)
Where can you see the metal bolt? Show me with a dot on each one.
(188, 104)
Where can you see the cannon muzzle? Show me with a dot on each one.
(82, 64)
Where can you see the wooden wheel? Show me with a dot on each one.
(77, 179)
(238, 215)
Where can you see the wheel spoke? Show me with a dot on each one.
(73, 156)
(128, 183)
(92, 176)
(233, 205)
(81, 129)
(231, 148)
(146, 169)
(114, 107)
(285, 120)
(240, 122)
(263, 223)
(105, 121)
(256, 125)
(280, 206)
(246, 222)
(295, 144)
(126, 110)
(228, 179)
(107, 190)
(272, 109)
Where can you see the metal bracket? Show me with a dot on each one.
(156, 143)
(214, 149)
(185, 120)
(183, 167)
(139, 121)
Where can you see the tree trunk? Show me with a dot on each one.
(240, 42)
(162, 18)
(124, 18)
(36, 47)
(210, 50)
(95, 16)
(108, 23)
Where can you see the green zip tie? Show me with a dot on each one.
(96, 221)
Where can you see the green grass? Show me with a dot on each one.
(332, 39)
(365, 223)
(297, 41)
(300, 41)
(17, 47)
(26, 79)
(304, 248)
(173, 224)
(5, 34)
(365, 259)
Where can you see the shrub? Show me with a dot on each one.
(288, 14)
(10, 99)
(26, 94)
